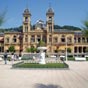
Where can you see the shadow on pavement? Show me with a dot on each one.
(46, 86)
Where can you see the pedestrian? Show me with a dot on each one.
(5, 57)
(12, 57)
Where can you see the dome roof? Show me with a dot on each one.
(50, 11)
(26, 12)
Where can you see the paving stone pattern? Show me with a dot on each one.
(75, 77)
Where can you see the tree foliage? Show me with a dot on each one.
(85, 28)
(71, 28)
(41, 43)
(57, 27)
(11, 48)
(2, 18)
(32, 49)
(69, 50)
(67, 27)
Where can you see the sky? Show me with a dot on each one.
(67, 12)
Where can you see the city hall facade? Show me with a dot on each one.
(55, 39)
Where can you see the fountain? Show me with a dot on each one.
(42, 55)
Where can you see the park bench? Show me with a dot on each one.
(80, 58)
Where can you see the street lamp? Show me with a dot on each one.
(21, 43)
(66, 49)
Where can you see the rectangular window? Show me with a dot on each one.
(75, 49)
(56, 40)
(50, 38)
(83, 39)
(50, 28)
(26, 28)
(79, 40)
(26, 19)
(26, 39)
(62, 39)
(87, 40)
(50, 18)
(74, 40)
(7, 40)
(14, 39)
(32, 38)
(38, 38)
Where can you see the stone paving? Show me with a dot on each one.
(75, 77)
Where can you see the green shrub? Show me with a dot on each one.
(86, 58)
(9, 58)
(26, 58)
(71, 58)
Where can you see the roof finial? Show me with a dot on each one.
(27, 4)
(49, 4)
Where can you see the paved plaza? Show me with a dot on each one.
(75, 77)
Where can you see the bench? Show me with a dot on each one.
(53, 56)
(80, 58)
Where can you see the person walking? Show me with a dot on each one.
(12, 57)
(5, 57)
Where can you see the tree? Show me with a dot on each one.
(2, 17)
(57, 27)
(41, 43)
(28, 50)
(85, 28)
(70, 27)
(69, 50)
(11, 48)
(32, 49)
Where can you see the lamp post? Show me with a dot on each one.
(66, 49)
(21, 43)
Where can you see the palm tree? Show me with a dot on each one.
(85, 28)
(2, 18)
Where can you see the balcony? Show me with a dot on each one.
(62, 43)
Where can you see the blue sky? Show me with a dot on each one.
(67, 12)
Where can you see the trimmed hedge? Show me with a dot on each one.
(86, 58)
(26, 58)
(71, 58)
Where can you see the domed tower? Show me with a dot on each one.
(50, 20)
(50, 28)
(26, 20)
(26, 28)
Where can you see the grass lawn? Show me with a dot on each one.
(36, 65)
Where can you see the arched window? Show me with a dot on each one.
(69, 39)
(14, 39)
(83, 39)
(26, 19)
(75, 49)
(79, 40)
(63, 38)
